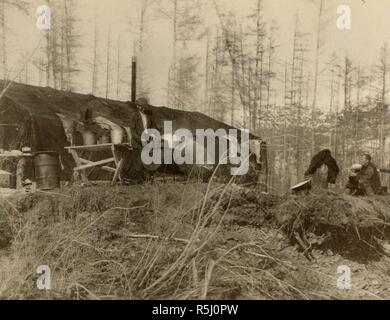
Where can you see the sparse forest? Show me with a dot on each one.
(225, 64)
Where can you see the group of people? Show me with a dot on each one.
(364, 178)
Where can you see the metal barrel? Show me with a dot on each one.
(12, 181)
(47, 170)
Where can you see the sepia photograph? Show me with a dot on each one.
(204, 151)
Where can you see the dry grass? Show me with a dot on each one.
(143, 242)
(151, 242)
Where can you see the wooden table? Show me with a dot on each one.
(83, 164)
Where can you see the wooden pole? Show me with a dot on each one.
(133, 79)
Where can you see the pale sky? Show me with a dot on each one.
(370, 28)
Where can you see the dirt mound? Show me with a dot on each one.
(248, 206)
(354, 227)
(141, 242)
(151, 242)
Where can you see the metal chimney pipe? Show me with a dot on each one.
(133, 79)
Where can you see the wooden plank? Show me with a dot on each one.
(97, 147)
(115, 154)
(117, 172)
(78, 163)
(15, 156)
(118, 163)
(94, 164)
(85, 161)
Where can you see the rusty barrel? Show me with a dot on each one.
(47, 170)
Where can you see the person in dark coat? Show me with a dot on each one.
(368, 176)
(321, 162)
(353, 185)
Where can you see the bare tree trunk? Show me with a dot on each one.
(40, 70)
(95, 58)
(3, 38)
(141, 88)
(285, 116)
(299, 134)
(62, 53)
(383, 104)
(172, 72)
(215, 83)
(314, 105)
(49, 60)
(331, 100)
(347, 107)
(357, 111)
(270, 62)
(233, 102)
(108, 62)
(207, 77)
(336, 130)
(245, 95)
(68, 45)
(293, 104)
(258, 68)
(118, 67)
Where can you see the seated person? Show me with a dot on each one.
(368, 177)
(353, 181)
